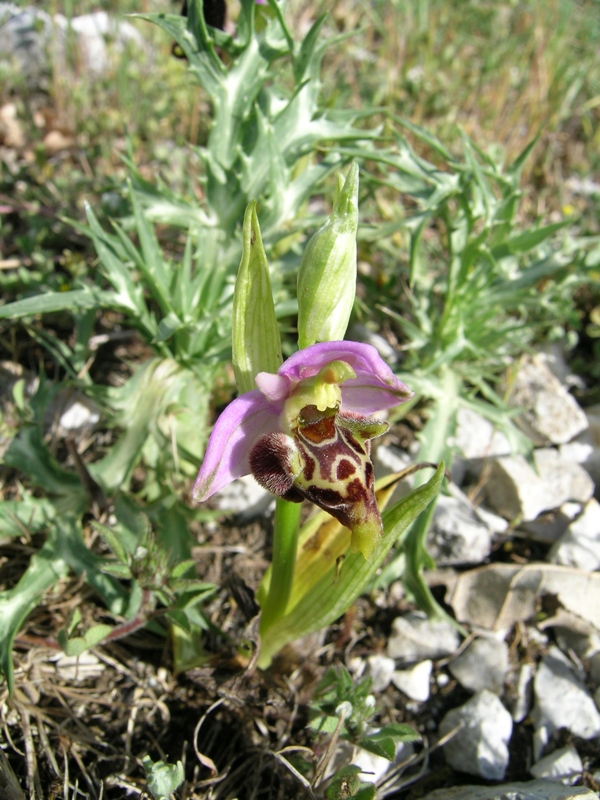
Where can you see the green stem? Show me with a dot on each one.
(285, 545)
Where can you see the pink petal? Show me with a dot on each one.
(243, 422)
(375, 386)
(274, 387)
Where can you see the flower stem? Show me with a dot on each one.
(285, 545)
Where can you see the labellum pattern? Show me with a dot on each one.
(326, 461)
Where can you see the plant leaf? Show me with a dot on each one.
(50, 302)
(45, 569)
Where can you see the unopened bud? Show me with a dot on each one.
(327, 274)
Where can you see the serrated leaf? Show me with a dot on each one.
(382, 746)
(82, 561)
(28, 453)
(120, 571)
(401, 733)
(385, 742)
(527, 240)
(128, 296)
(50, 302)
(168, 326)
(188, 649)
(113, 540)
(29, 515)
(180, 569)
(324, 724)
(192, 591)
(150, 261)
(79, 644)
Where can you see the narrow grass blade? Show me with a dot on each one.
(50, 302)
(45, 569)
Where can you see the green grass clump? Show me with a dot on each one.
(121, 242)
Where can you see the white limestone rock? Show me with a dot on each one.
(99, 31)
(553, 356)
(70, 412)
(245, 499)
(551, 414)
(414, 637)
(595, 669)
(562, 701)
(26, 35)
(32, 40)
(458, 535)
(585, 448)
(593, 417)
(562, 765)
(475, 441)
(414, 682)
(482, 665)
(477, 438)
(584, 644)
(579, 546)
(391, 459)
(495, 522)
(515, 489)
(550, 526)
(380, 669)
(523, 693)
(388, 459)
(579, 449)
(480, 746)
(563, 480)
(541, 789)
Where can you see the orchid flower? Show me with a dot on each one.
(305, 432)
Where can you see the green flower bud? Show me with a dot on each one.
(327, 274)
(256, 344)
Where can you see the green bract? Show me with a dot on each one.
(327, 275)
(256, 344)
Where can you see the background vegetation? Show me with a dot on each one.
(477, 129)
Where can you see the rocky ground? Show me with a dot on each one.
(510, 710)
(517, 546)
(513, 706)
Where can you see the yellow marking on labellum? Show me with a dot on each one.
(322, 391)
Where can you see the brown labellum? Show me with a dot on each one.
(327, 462)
